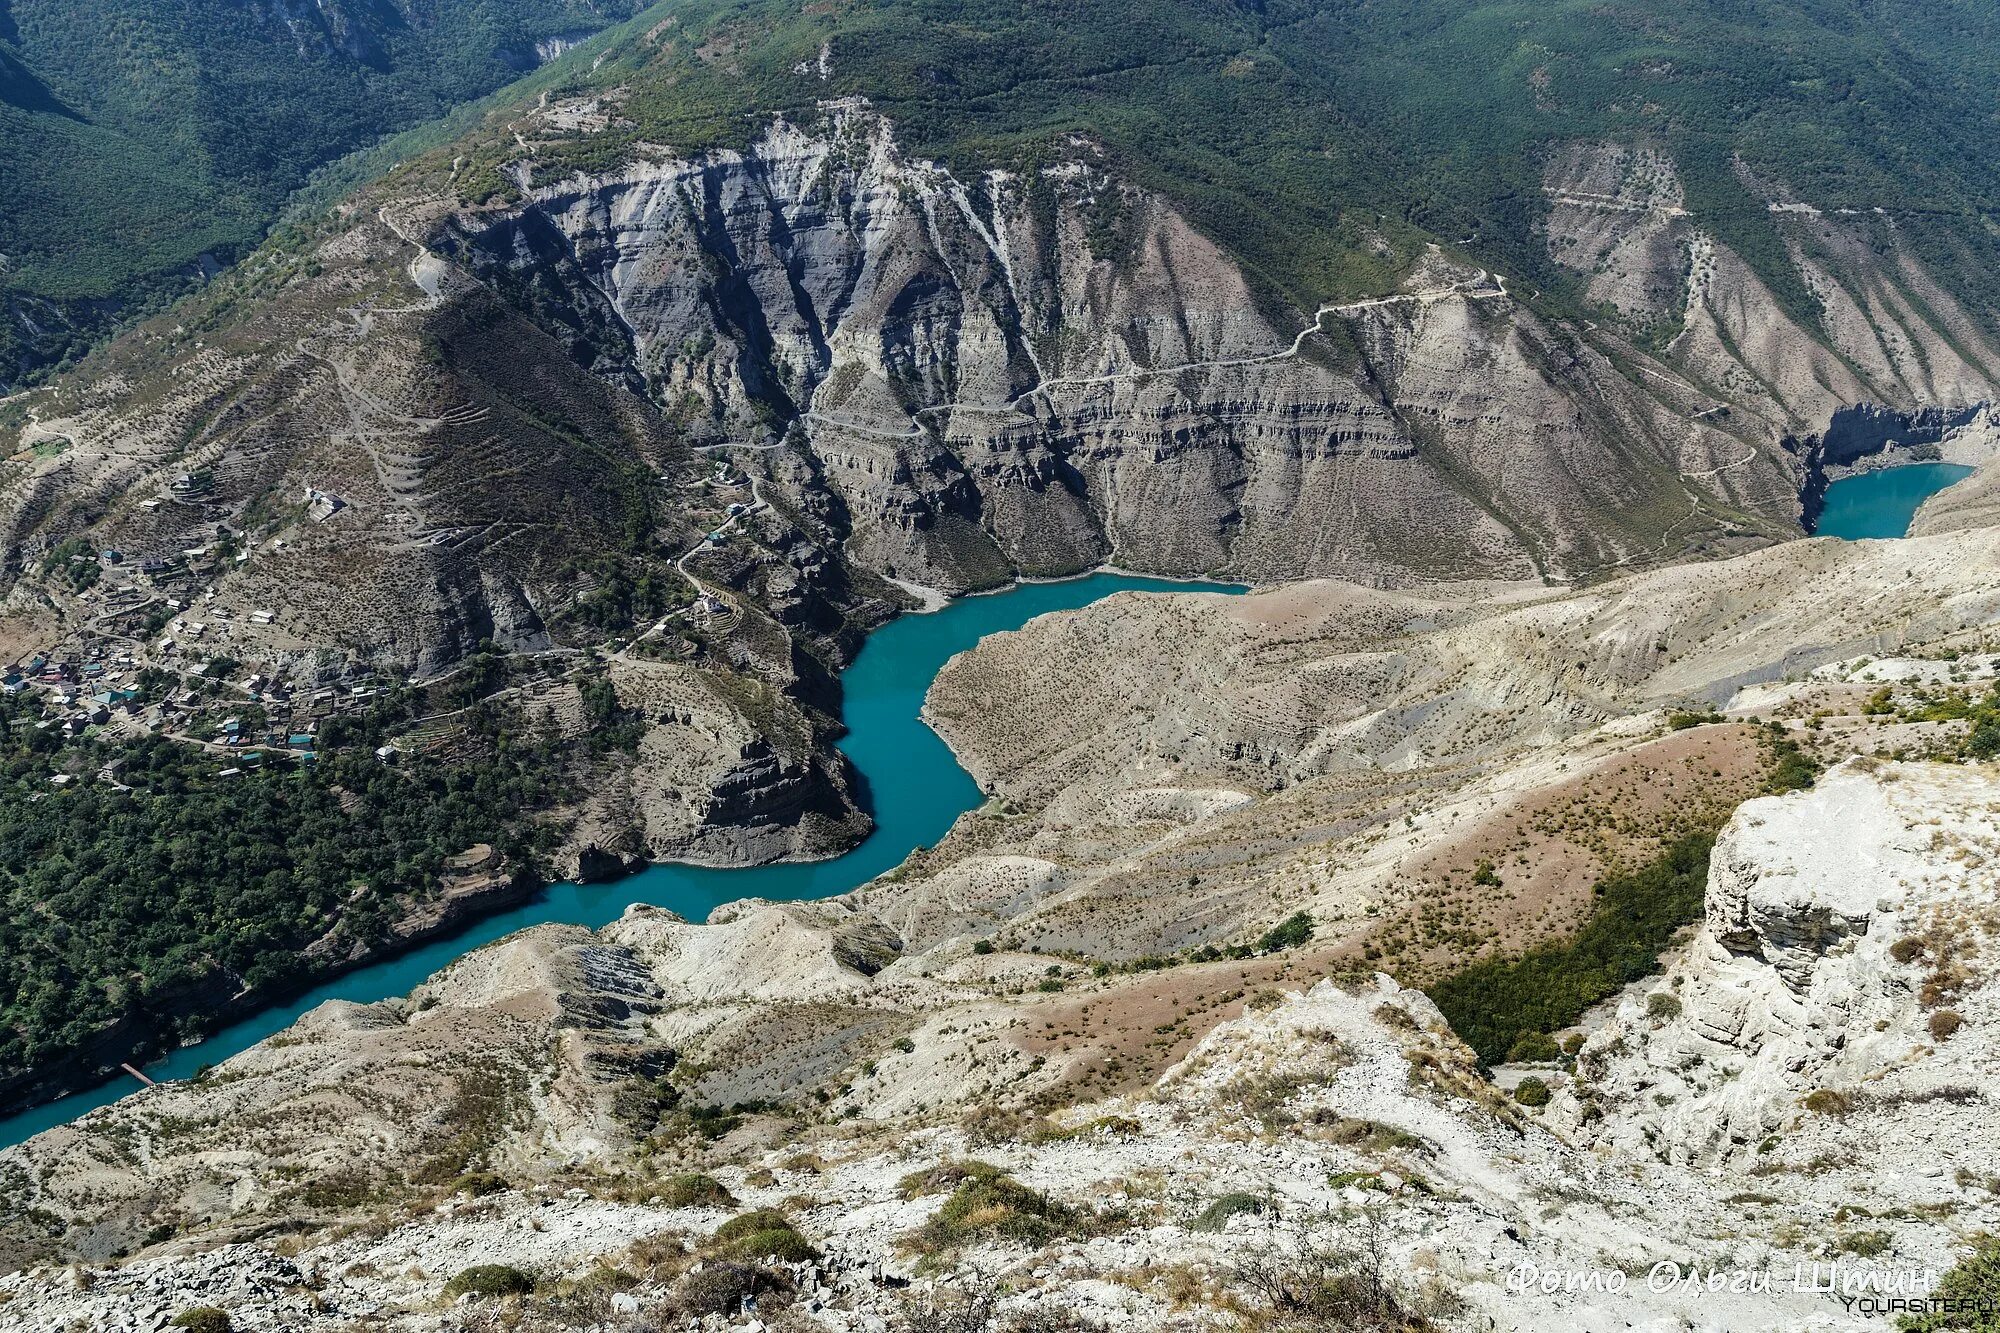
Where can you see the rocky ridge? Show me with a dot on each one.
(1842, 958)
(1345, 1112)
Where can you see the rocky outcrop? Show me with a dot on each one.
(727, 771)
(1840, 923)
(1867, 436)
(461, 900)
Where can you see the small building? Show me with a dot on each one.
(322, 505)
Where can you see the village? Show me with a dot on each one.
(151, 653)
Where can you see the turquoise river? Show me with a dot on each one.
(913, 786)
(1883, 503)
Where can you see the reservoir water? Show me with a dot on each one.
(1882, 503)
(913, 787)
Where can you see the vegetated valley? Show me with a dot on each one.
(1553, 863)
(146, 145)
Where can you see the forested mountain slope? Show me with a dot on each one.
(1295, 131)
(137, 136)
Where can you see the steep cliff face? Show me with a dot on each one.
(1039, 374)
(1868, 354)
(954, 382)
(1866, 324)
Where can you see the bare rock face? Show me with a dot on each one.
(707, 782)
(1840, 922)
(1882, 332)
(993, 381)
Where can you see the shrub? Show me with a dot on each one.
(1662, 1005)
(945, 1176)
(1945, 1022)
(1531, 1091)
(695, 1191)
(1293, 931)
(1216, 1216)
(762, 1233)
(203, 1319)
(720, 1287)
(1371, 1136)
(995, 1207)
(1683, 718)
(982, 946)
(986, 1125)
(1790, 768)
(490, 1280)
(1908, 949)
(1491, 1003)
(1319, 1286)
(1829, 1102)
(479, 1184)
(1973, 1288)
(1865, 1244)
(1532, 1048)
